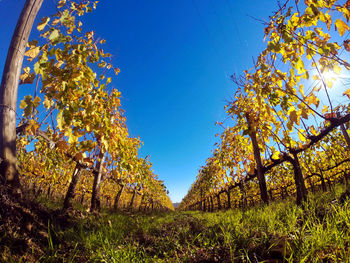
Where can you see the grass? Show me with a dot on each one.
(317, 232)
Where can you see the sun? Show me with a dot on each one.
(335, 78)
(330, 75)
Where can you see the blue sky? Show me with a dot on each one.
(176, 59)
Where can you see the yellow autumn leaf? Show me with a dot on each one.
(300, 66)
(317, 88)
(301, 136)
(26, 69)
(79, 156)
(346, 45)
(72, 139)
(325, 109)
(329, 82)
(313, 100)
(61, 3)
(23, 104)
(55, 22)
(313, 130)
(275, 155)
(26, 77)
(60, 121)
(328, 21)
(347, 93)
(32, 53)
(293, 116)
(116, 71)
(32, 44)
(336, 69)
(251, 168)
(48, 102)
(341, 26)
(62, 145)
(43, 23)
(59, 63)
(36, 101)
(88, 161)
(304, 113)
(54, 34)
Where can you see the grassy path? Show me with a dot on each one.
(319, 232)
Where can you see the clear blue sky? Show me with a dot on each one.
(176, 58)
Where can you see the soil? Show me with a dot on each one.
(24, 227)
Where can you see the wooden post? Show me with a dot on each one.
(8, 95)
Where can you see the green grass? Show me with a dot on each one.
(317, 232)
